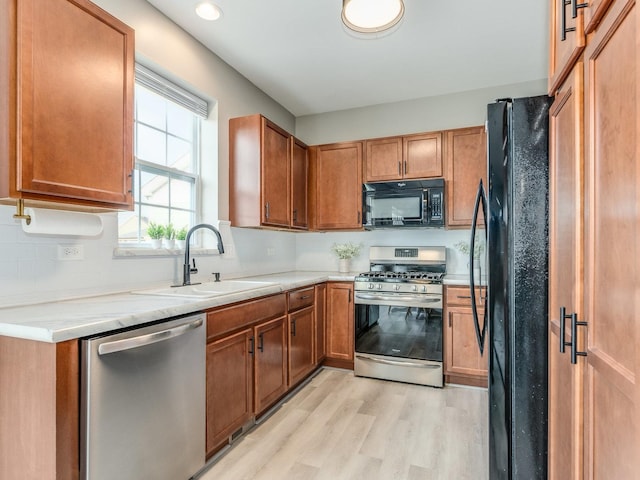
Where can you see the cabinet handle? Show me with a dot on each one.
(359, 217)
(293, 327)
(349, 296)
(266, 211)
(450, 322)
(563, 17)
(575, 6)
(575, 353)
(251, 346)
(405, 168)
(261, 342)
(130, 176)
(304, 297)
(399, 167)
(468, 297)
(295, 214)
(563, 318)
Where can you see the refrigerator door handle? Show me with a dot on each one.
(480, 201)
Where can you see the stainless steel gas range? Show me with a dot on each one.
(398, 316)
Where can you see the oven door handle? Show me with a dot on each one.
(394, 298)
(398, 363)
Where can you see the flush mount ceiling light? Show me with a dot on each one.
(371, 16)
(208, 11)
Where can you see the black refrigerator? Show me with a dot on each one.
(513, 331)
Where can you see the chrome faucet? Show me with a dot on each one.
(186, 268)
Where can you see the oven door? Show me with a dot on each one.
(399, 325)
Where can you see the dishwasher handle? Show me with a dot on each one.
(148, 339)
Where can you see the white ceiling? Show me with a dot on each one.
(298, 52)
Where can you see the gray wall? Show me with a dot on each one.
(458, 110)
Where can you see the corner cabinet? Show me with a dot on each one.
(66, 104)
(336, 179)
(340, 325)
(268, 175)
(463, 362)
(466, 164)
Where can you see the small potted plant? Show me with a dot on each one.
(345, 252)
(181, 236)
(156, 233)
(169, 236)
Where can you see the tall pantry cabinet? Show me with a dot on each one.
(594, 423)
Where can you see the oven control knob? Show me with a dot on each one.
(415, 288)
(424, 288)
(397, 287)
(371, 286)
(379, 286)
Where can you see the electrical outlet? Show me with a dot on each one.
(70, 252)
(271, 251)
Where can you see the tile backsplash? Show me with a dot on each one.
(31, 272)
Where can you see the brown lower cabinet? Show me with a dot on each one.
(301, 334)
(256, 352)
(39, 410)
(463, 363)
(340, 325)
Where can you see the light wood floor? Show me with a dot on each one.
(344, 427)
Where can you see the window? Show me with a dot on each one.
(166, 145)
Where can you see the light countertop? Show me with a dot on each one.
(82, 317)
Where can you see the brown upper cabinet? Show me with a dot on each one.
(336, 179)
(407, 157)
(567, 40)
(299, 184)
(466, 160)
(267, 175)
(66, 104)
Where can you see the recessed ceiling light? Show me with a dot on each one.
(371, 16)
(208, 11)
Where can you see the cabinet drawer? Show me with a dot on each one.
(300, 298)
(227, 319)
(460, 296)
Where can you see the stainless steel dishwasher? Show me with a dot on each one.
(143, 402)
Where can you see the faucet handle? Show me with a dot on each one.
(194, 269)
(217, 275)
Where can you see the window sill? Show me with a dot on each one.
(131, 252)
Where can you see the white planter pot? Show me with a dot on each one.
(156, 243)
(344, 265)
(180, 244)
(170, 244)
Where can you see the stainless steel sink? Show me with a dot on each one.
(209, 289)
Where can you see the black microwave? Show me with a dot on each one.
(411, 203)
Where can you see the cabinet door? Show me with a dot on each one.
(299, 183)
(275, 175)
(270, 363)
(466, 159)
(338, 186)
(71, 127)
(565, 276)
(594, 13)
(422, 155)
(462, 351)
(301, 339)
(612, 306)
(320, 306)
(340, 326)
(383, 159)
(565, 49)
(229, 386)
